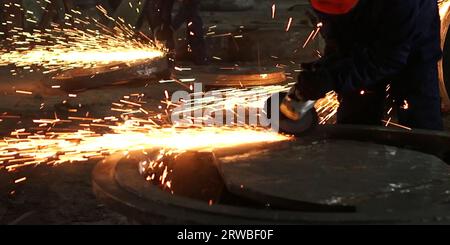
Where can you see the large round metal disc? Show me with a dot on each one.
(383, 182)
(334, 175)
(214, 77)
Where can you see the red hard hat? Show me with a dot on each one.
(334, 6)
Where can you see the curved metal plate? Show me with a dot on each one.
(149, 204)
(81, 79)
(241, 76)
(381, 181)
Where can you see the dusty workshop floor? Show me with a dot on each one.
(56, 195)
(63, 194)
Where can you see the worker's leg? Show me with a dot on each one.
(181, 16)
(84, 5)
(49, 14)
(189, 14)
(159, 15)
(421, 108)
(362, 108)
(144, 15)
(114, 4)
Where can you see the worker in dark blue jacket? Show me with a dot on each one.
(374, 45)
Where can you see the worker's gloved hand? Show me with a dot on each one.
(313, 85)
(294, 94)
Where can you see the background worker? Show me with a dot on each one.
(159, 16)
(189, 14)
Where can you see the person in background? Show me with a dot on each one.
(113, 4)
(189, 14)
(85, 4)
(158, 13)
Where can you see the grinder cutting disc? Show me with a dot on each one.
(285, 125)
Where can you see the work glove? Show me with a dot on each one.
(312, 85)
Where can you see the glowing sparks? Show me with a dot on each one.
(83, 145)
(24, 92)
(201, 107)
(288, 26)
(226, 100)
(444, 6)
(65, 47)
(313, 34)
(20, 180)
(327, 107)
(152, 131)
(389, 122)
(405, 105)
(274, 8)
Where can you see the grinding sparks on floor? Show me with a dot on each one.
(62, 47)
(137, 129)
(83, 145)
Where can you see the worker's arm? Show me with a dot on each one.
(386, 56)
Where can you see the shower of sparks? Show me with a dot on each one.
(64, 47)
(55, 148)
(137, 129)
(227, 100)
(444, 6)
(140, 129)
(327, 107)
(158, 170)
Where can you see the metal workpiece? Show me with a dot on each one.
(235, 76)
(112, 74)
(334, 175)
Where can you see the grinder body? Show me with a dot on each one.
(296, 116)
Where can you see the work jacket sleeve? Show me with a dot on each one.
(382, 57)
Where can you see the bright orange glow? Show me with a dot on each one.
(83, 145)
(64, 47)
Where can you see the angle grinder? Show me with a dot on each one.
(296, 115)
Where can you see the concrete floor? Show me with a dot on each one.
(62, 194)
